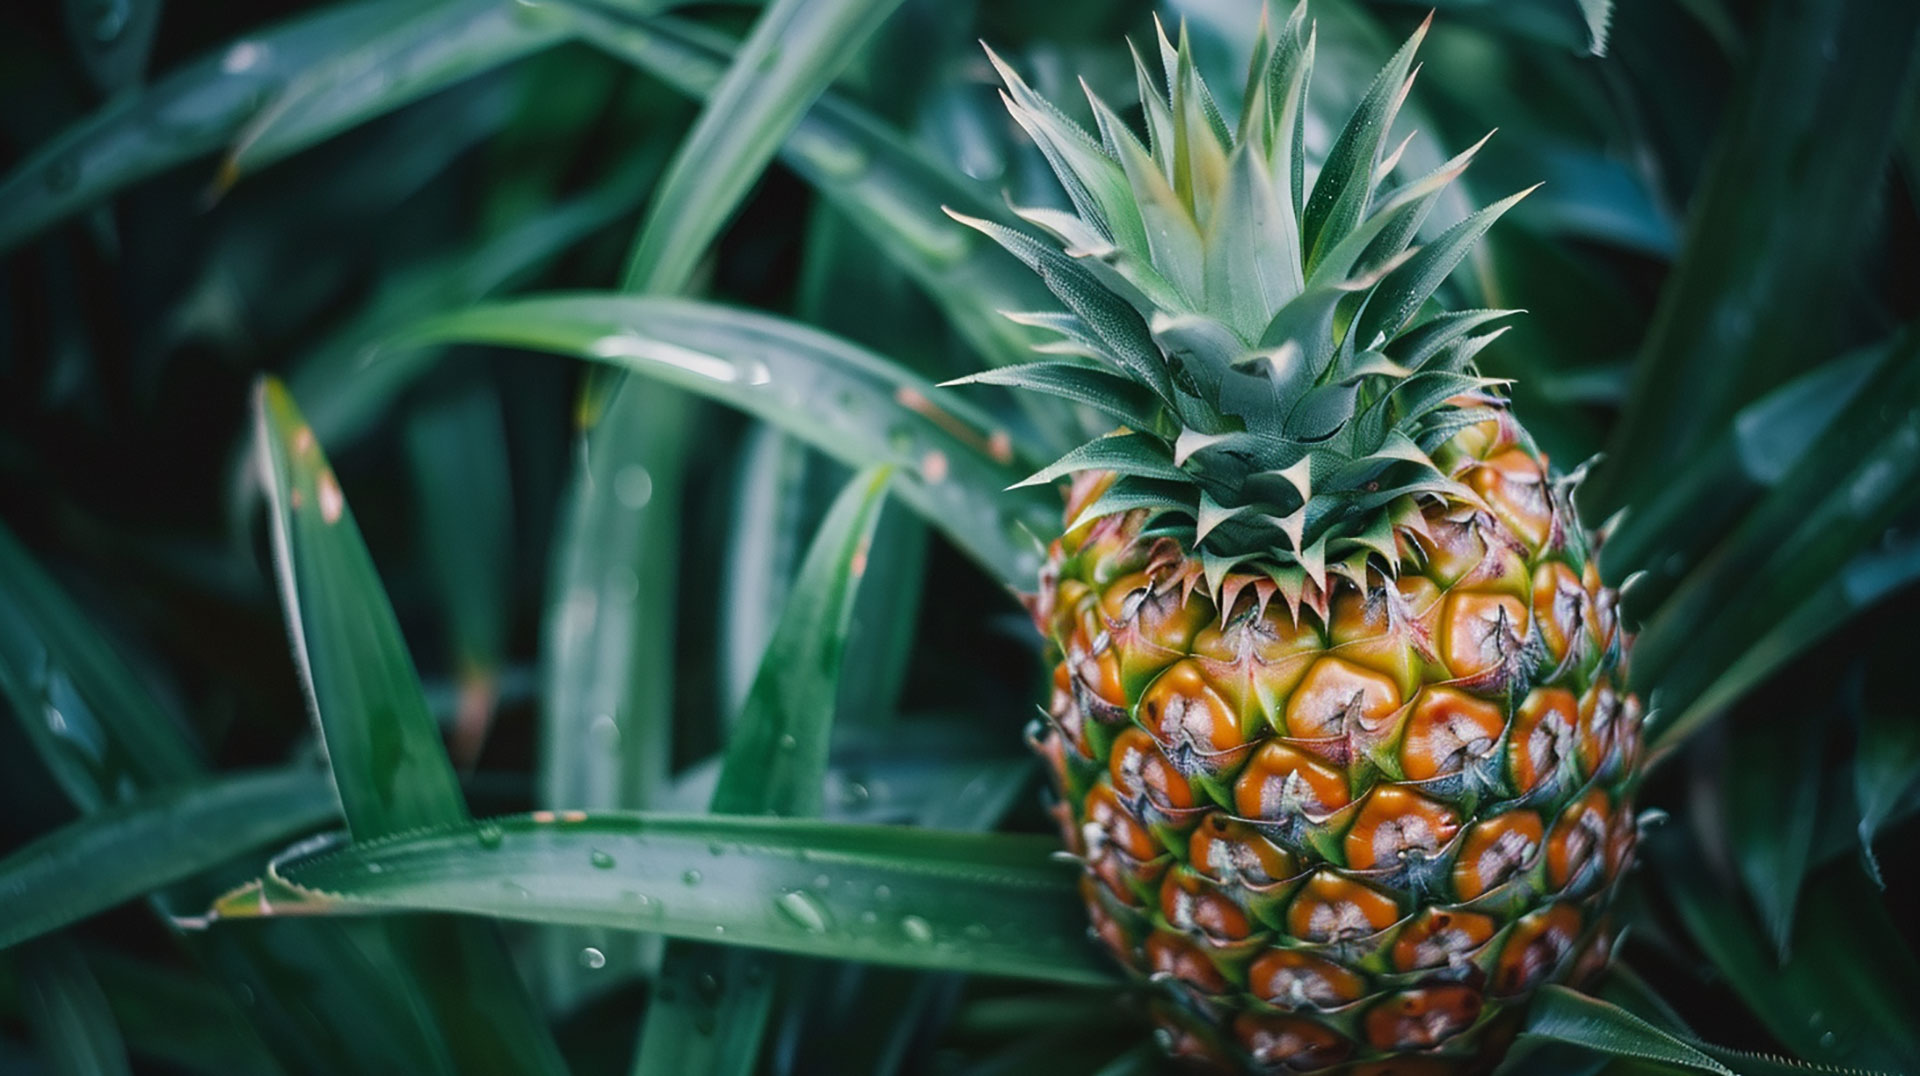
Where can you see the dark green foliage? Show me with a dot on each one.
(596, 593)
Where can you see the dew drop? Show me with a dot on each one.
(605, 732)
(787, 742)
(592, 958)
(882, 893)
(821, 881)
(602, 860)
(917, 930)
(692, 877)
(977, 931)
(804, 910)
(633, 486)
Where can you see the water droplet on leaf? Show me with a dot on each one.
(804, 910)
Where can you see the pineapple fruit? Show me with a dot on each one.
(1338, 726)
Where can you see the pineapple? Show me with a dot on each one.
(1338, 724)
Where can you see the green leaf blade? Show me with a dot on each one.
(685, 877)
(362, 690)
(129, 849)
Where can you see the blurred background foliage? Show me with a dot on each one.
(587, 568)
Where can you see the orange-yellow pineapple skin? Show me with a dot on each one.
(1356, 833)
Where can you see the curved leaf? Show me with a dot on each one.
(796, 49)
(776, 761)
(382, 743)
(161, 837)
(992, 904)
(361, 688)
(848, 403)
(429, 47)
(76, 1030)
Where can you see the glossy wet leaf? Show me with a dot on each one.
(329, 1007)
(179, 1016)
(189, 113)
(463, 488)
(361, 688)
(389, 767)
(953, 462)
(992, 904)
(1886, 776)
(793, 53)
(152, 841)
(1756, 295)
(71, 1021)
(96, 724)
(608, 678)
(1789, 550)
(1772, 787)
(422, 49)
(775, 763)
(883, 184)
(113, 39)
(1841, 998)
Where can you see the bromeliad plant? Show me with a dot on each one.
(1342, 735)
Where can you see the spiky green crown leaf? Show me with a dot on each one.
(1255, 338)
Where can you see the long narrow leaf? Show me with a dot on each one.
(435, 45)
(846, 402)
(795, 50)
(123, 851)
(69, 1014)
(992, 904)
(384, 748)
(775, 764)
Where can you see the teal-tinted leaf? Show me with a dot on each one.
(1857, 585)
(421, 48)
(795, 50)
(187, 114)
(113, 40)
(1137, 455)
(328, 1007)
(361, 688)
(608, 674)
(154, 840)
(1788, 550)
(870, 172)
(383, 746)
(342, 395)
(179, 1017)
(990, 904)
(1562, 1015)
(763, 554)
(69, 1015)
(776, 761)
(97, 726)
(1886, 775)
(457, 450)
(848, 403)
(904, 781)
(1117, 397)
(1345, 184)
(1666, 534)
(1399, 297)
(1772, 782)
(1842, 997)
(777, 755)
(1755, 297)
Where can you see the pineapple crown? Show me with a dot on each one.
(1255, 340)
